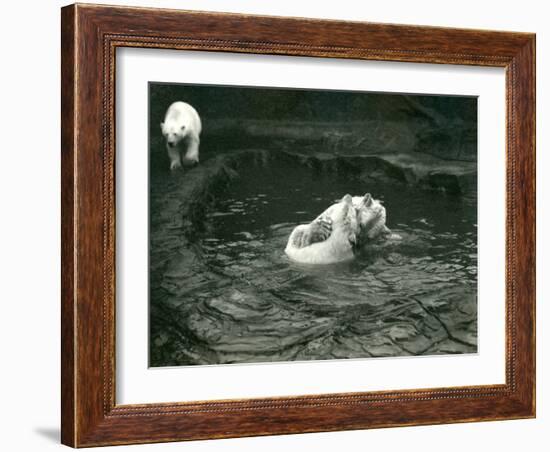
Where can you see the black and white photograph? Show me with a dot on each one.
(297, 224)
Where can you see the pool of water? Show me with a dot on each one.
(231, 295)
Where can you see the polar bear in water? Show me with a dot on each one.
(334, 234)
(181, 129)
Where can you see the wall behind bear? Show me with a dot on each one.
(29, 226)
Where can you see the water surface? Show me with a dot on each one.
(231, 295)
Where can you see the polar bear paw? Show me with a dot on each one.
(317, 231)
(175, 165)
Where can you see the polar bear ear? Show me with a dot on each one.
(367, 200)
(347, 199)
(162, 126)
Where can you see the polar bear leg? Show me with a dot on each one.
(192, 153)
(296, 236)
(317, 231)
(175, 157)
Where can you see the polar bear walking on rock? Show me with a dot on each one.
(181, 129)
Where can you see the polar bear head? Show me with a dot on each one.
(178, 122)
(371, 216)
(173, 132)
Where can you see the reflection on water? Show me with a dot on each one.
(233, 296)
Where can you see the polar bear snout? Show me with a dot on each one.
(172, 139)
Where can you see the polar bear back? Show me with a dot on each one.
(182, 114)
(337, 248)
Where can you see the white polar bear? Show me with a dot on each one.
(341, 219)
(181, 129)
(334, 234)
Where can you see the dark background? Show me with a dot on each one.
(337, 122)
(217, 102)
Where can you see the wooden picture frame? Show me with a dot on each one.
(90, 36)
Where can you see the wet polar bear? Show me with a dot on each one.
(333, 235)
(181, 129)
